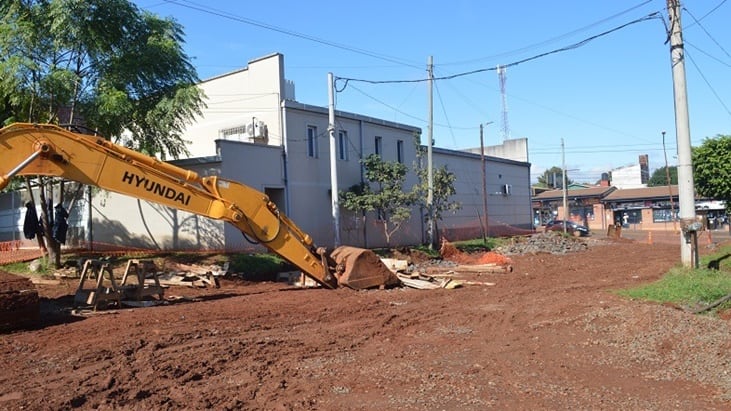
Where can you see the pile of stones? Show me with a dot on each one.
(551, 242)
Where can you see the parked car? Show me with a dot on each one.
(572, 228)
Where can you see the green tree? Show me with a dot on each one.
(103, 64)
(553, 178)
(712, 169)
(660, 177)
(442, 190)
(388, 198)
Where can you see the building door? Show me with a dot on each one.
(276, 195)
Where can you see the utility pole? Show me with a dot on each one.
(686, 197)
(667, 180)
(430, 171)
(486, 230)
(565, 193)
(333, 158)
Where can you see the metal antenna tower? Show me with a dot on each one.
(502, 76)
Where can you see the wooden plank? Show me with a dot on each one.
(482, 268)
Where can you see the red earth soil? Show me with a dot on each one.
(552, 334)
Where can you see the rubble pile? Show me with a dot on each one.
(547, 242)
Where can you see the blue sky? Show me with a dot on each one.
(608, 99)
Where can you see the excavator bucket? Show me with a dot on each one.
(361, 269)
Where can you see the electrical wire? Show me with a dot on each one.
(346, 80)
(446, 116)
(706, 31)
(710, 12)
(549, 41)
(407, 114)
(707, 54)
(209, 10)
(707, 82)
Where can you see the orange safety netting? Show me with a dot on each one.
(449, 252)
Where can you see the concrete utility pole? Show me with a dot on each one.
(486, 231)
(686, 188)
(333, 158)
(430, 170)
(565, 193)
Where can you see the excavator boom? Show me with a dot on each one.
(48, 150)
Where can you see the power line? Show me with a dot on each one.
(710, 12)
(706, 31)
(708, 83)
(346, 80)
(549, 41)
(405, 113)
(708, 54)
(446, 116)
(209, 10)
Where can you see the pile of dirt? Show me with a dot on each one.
(19, 306)
(451, 253)
(550, 242)
(554, 334)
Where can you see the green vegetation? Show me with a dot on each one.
(258, 266)
(553, 178)
(477, 245)
(660, 176)
(690, 287)
(712, 169)
(391, 203)
(23, 268)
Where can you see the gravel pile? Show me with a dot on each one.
(547, 242)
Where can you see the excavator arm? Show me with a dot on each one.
(48, 150)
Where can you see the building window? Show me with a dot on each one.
(663, 215)
(312, 141)
(400, 151)
(343, 145)
(378, 145)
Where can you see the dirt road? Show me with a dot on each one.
(549, 335)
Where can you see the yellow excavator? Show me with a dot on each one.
(49, 150)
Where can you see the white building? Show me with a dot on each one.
(254, 132)
(632, 176)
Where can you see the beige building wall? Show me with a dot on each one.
(250, 96)
(121, 221)
(507, 191)
(308, 177)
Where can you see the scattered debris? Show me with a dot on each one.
(184, 279)
(479, 269)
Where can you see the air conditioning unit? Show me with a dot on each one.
(257, 132)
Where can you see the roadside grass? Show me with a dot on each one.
(688, 287)
(23, 268)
